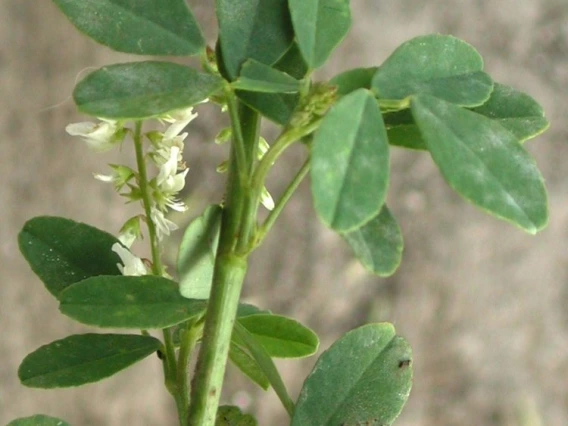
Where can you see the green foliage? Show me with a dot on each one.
(365, 376)
(265, 363)
(483, 162)
(196, 256)
(319, 26)
(139, 90)
(350, 163)
(38, 420)
(228, 415)
(281, 337)
(128, 302)
(515, 111)
(142, 27)
(257, 77)
(252, 29)
(62, 252)
(248, 365)
(378, 244)
(277, 107)
(351, 80)
(431, 94)
(83, 358)
(442, 66)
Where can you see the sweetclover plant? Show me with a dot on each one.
(431, 94)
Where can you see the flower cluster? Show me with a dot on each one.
(165, 153)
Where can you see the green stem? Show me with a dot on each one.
(238, 140)
(275, 213)
(229, 271)
(169, 361)
(192, 334)
(157, 267)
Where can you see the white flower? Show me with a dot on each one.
(169, 168)
(174, 184)
(99, 137)
(133, 266)
(266, 199)
(121, 176)
(127, 238)
(178, 119)
(163, 226)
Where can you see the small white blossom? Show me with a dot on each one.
(266, 199)
(121, 176)
(99, 137)
(174, 184)
(169, 168)
(103, 178)
(178, 119)
(131, 265)
(163, 226)
(130, 231)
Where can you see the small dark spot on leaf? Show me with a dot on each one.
(404, 363)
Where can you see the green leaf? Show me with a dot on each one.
(245, 309)
(257, 77)
(281, 337)
(83, 358)
(363, 378)
(292, 62)
(228, 415)
(515, 111)
(248, 365)
(143, 27)
(378, 244)
(196, 256)
(38, 420)
(252, 29)
(402, 130)
(265, 362)
(145, 302)
(356, 78)
(320, 26)
(350, 162)
(483, 162)
(277, 107)
(139, 90)
(62, 252)
(439, 65)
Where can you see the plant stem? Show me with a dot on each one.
(169, 361)
(192, 334)
(157, 267)
(230, 269)
(275, 213)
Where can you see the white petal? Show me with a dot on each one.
(174, 184)
(127, 238)
(266, 199)
(133, 266)
(169, 168)
(179, 120)
(163, 225)
(103, 178)
(98, 136)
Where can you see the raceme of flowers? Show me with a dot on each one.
(165, 152)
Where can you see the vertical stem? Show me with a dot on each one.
(230, 269)
(146, 200)
(169, 361)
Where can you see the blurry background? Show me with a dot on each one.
(483, 305)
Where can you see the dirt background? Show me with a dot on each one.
(483, 305)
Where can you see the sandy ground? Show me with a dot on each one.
(483, 305)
